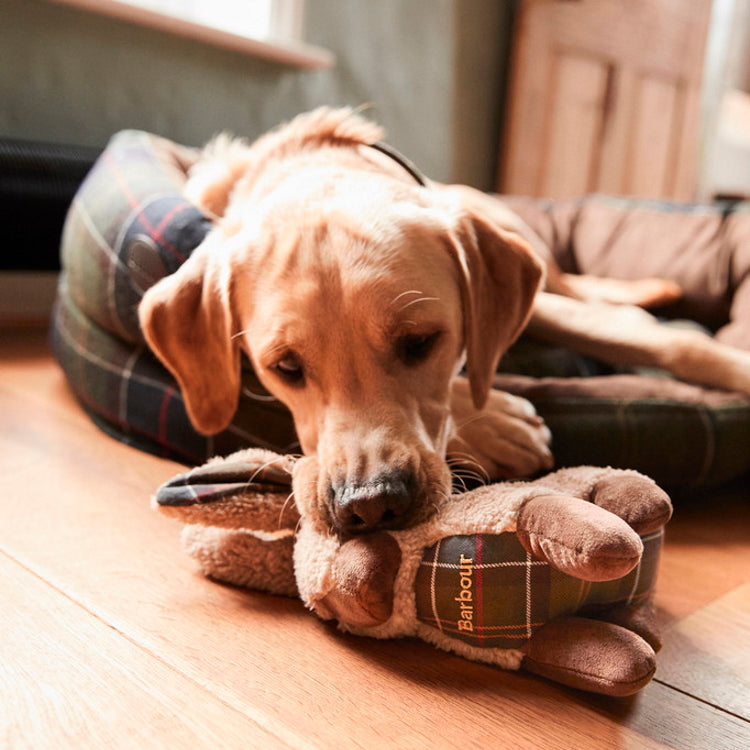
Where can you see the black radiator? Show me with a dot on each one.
(37, 183)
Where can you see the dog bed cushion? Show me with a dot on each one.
(129, 226)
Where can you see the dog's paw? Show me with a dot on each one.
(505, 440)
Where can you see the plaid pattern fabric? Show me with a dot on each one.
(207, 484)
(680, 435)
(128, 227)
(488, 591)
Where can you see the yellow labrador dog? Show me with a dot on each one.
(358, 295)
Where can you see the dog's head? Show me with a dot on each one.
(357, 302)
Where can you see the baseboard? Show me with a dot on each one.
(26, 297)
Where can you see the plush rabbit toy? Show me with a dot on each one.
(554, 576)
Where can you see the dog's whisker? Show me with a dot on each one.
(460, 481)
(420, 299)
(240, 333)
(465, 468)
(286, 502)
(436, 487)
(272, 462)
(461, 460)
(477, 472)
(457, 457)
(469, 466)
(471, 420)
(258, 396)
(403, 294)
(441, 495)
(476, 479)
(434, 507)
(461, 478)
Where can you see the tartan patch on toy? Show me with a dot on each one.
(488, 591)
(208, 484)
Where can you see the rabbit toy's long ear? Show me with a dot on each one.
(248, 490)
(240, 519)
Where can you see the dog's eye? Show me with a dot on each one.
(414, 349)
(290, 368)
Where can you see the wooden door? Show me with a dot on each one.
(605, 97)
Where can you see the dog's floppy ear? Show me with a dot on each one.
(186, 319)
(499, 277)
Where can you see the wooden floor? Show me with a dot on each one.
(109, 638)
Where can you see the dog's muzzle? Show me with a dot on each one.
(384, 502)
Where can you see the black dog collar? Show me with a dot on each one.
(401, 160)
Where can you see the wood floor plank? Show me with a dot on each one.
(673, 718)
(74, 511)
(708, 653)
(707, 552)
(80, 684)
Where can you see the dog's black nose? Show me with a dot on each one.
(381, 503)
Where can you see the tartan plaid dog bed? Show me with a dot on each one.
(129, 226)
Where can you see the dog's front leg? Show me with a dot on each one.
(504, 440)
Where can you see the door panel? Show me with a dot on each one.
(604, 96)
(579, 88)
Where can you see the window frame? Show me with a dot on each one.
(286, 47)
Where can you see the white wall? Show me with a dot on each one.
(433, 69)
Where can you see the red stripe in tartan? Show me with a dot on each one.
(168, 218)
(519, 630)
(95, 406)
(478, 562)
(154, 233)
(163, 411)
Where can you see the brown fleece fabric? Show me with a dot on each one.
(643, 505)
(704, 248)
(365, 569)
(241, 559)
(577, 652)
(578, 538)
